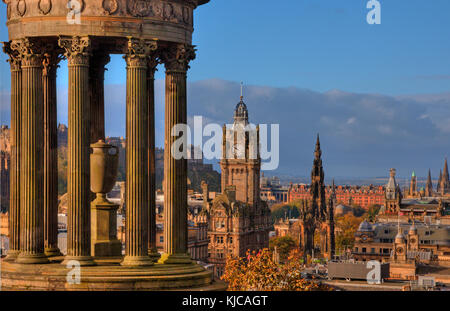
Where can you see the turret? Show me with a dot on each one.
(413, 185)
(393, 195)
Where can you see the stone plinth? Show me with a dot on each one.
(104, 242)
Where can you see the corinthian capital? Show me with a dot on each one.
(77, 49)
(138, 51)
(14, 57)
(29, 51)
(177, 57)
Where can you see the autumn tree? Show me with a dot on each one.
(346, 227)
(259, 272)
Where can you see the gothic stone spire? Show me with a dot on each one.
(429, 185)
(317, 183)
(438, 187)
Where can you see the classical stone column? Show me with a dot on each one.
(15, 138)
(51, 59)
(137, 226)
(31, 161)
(77, 51)
(97, 95)
(176, 58)
(152, 250)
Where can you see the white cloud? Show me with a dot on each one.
(361, 134)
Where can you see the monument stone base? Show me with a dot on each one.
(104, 240)
(106, 275)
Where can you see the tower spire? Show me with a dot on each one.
(241, 112)
(317, 152)
(445, 172)
(445, 182)
(429, 185)
(438, 187)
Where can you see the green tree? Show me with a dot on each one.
(284, 244)
(372, 212)
(282, 210)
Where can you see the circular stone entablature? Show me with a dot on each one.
(165, 20)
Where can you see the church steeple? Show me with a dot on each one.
(438, 187)
(429, 185)
(445, 173)
(413, 185)
(445, 183)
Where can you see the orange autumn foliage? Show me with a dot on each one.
(258, 272)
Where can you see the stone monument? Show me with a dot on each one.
(147, 33)
(104, 164)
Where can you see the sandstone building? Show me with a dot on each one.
(363, 196)
(424, 209)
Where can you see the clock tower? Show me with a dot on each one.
(241, 162)
(400, 246)
(413, 238)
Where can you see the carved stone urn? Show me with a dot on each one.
(104, 164)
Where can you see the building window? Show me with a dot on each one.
(161, 239)
(372, 250)
(363, 249)
(230, 240)
(356, 249)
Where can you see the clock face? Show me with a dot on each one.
(364, 238)
(412, 240)
(400, 250)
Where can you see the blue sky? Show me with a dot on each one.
(319, 46)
